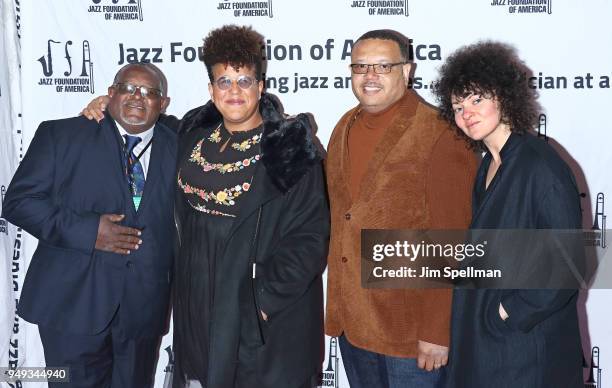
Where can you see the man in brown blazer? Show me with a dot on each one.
(392, 164)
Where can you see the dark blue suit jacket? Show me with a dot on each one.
(71, 174)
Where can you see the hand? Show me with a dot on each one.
(264, 316)
(116, 238)
(431, 356)
(502, 313)
(95, 109)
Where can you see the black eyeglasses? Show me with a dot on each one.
(379, 68)
(145, 91)
(244, 82)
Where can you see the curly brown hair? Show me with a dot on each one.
(236, 46)
(492, 70)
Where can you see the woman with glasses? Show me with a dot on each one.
(512, 337)
(253, 223)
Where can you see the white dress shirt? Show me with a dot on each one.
(146, 136)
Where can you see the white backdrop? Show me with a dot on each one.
(69, 52)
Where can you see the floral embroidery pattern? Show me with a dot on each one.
(222, 168)
(224, 197)
(214, 177)
(204, 209)
(215, 137)
(246, 144)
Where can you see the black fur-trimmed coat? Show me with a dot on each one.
(292, 245)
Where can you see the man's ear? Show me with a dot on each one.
(110, 91)
(406, 68)
(164, 104)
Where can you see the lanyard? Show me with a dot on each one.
(141, 152)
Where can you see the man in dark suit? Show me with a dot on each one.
(98, 196)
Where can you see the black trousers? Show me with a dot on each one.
(246, 373)
(103, 360)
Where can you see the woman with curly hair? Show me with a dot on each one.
(510, 337)
(253, 225)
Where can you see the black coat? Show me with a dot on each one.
(539, 344)
(291, 250)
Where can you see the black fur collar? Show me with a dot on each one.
(287, 145)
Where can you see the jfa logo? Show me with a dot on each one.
(593, 377)
(382, 7)
(128, 10)
(330, 375)
(522, 6)
(169, 369)
(3, 222)
(248, 8)
(599, 222)
(542, 127)
(80, 83)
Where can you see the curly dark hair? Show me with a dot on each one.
(236, 46)
(493, 70)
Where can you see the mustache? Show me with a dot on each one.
(371, 84)
(134, 104)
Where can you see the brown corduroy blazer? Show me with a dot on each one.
(420, 177)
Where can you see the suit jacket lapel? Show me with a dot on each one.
(341, 168)
(113, 158)
(159, 154)
(479, 185)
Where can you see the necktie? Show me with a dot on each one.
(133, 169)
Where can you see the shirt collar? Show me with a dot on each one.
(145, 136)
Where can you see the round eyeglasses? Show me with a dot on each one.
(244, 82)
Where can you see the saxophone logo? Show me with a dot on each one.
(524, 6)
(63, 72)
(382, 7)
(542, 127)
(593, 375)
(169, 369)
(246, 8)
(117, 9)
(331, 374)
(599, 223)
(3, 222)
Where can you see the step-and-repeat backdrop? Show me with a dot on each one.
(56, 55)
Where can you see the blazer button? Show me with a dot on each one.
(344, 259)
(128, 264)
(347, 216)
